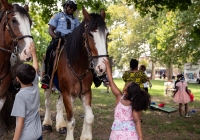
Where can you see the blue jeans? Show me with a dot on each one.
(40, 138)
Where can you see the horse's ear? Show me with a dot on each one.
(103, 14)
(26, 8)
(5, 5)
(85, 14)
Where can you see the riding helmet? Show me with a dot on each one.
(70, 2)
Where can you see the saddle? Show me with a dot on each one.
(52, 58)
(49, 65)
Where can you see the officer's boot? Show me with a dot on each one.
(46, 78)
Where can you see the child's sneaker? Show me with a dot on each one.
(187, 116)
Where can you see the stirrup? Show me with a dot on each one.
(45, 82)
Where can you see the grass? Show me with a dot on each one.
(156, 124)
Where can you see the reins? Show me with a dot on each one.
(6, 50)
(1, 78)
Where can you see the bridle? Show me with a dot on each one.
(86, 45)
(90, 60)
(15, 40)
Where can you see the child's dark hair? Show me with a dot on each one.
(143, 67)
(25, 73)
(133, 64)
(140, 99)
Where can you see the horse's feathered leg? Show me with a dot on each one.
(47, 123)
(88, 119)
(68, 102)
(60, 122)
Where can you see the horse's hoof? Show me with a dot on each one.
(46, 128)
(63, 130)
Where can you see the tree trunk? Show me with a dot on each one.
(153, 72)
(169, 72)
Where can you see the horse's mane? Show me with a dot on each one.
(75, 40)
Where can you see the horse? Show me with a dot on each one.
(15, 38)
(82, 53)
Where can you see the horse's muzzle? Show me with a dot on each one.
(28, 59)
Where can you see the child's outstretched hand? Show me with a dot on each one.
(108, 68)
(107, 63)
(33, 53)
(32, 49)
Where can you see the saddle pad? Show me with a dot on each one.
(55, 82)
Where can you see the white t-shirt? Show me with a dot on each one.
(145, 84)
(26, 105)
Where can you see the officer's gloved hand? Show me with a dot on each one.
(56, 38)
(58, 35)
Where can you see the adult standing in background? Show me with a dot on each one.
(135, 75)
(164, 75)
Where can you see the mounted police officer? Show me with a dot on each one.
(60, 25)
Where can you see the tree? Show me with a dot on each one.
(126, 39)
(39, 31)
(176, 33)
(49, 7)
(153, 7)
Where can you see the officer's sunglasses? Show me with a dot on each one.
(72, 7)
(68, 23)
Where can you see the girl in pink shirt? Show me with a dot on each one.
(129, 104)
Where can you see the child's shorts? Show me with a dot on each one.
(40, 138)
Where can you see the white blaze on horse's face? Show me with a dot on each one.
(100, 44)
(24, 44)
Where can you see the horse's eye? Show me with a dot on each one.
(14, 20)
(90, 34)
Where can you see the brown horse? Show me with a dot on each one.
(82, 54)
(15, 39)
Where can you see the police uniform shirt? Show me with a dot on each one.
(59, 21)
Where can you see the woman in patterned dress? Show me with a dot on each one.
(135, 75)
(129, 104)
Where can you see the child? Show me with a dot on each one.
(143, 68)
(27, 102)
(181, 96)
(129, 105)
(191, 95)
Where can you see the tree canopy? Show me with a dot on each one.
(154, 6)
(171, 28)
(49, 7)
